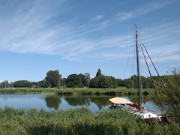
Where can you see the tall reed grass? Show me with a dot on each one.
(79, 122)
(80, 91)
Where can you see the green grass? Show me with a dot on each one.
(83, 91)
(79, 122)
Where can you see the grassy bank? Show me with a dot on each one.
(79, 121)
(81, 91)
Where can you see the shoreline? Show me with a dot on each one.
(120, 91)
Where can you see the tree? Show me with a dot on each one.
(43, 84)
(4, 84)
(22, 83)
(86, 79)
(94, 83)
(98, 72)
(169, 97)
(63, 81)
(103, 82)
(53, 78)
(75, 80)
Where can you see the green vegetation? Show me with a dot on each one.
(79, 122)
(53, 79)
(102, 81)
(169, 98)
(75, 80)
(81, 91)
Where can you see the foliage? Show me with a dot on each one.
(79, 122)
(86, 79)
(102, 81)
(75, 80)
(4, 84)
(43, 84)
(169, 97)
(22, 83)
(53, 78)
(98, 72)
(63, 81)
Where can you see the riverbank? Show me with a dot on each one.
(79, 121)
(80, 91)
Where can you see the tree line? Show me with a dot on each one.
(54, 80)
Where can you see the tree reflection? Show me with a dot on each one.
(101, 101)
(53, 101)
(144, 99)
(77, 100)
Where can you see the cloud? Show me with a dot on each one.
(32, 29)
(25, 29)
(98, 17)
(105, 23)
(124, 16)
(165, 58)
(142, 10)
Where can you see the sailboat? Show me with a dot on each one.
(136, 109)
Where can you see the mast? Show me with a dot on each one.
(138, 72)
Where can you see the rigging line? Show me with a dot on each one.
(127, 64)
(130, 62)
(149, 69)
(154, 66)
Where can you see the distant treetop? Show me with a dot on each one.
(98, 72)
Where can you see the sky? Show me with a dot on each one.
(75, 37)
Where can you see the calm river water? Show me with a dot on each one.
(54, 102)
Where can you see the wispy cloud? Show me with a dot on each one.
(105, 23)
(32, 30)
(98, 17)
(167, 58)
(142, 10)
(124, 16)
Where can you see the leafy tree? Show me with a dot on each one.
(103, 82)
(4, 84)
(132, 82)
(75, 80)
(120, 82)
(98, 72)
(43, 84)
(94, 83)
(53, 78)
(128, 83)
(169, 97)
(86, 79)
(22, 83)
(63, 81)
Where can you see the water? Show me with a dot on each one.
(54, 102)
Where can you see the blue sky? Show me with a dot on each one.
(76, 36)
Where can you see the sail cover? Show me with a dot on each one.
(118, 100)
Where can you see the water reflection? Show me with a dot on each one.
(101, 101)
(77, 100)
(55, 102)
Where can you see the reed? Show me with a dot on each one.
(80, 91)
(78, 121)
